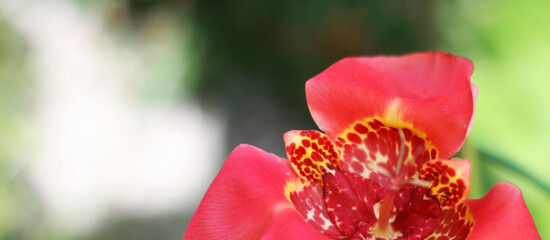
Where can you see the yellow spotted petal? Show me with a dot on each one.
(450, 180)
(311, 154)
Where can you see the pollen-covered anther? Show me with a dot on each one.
(311, 154)
(450, 181)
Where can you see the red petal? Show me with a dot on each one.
(416, 215)
(456, 224)
(311, 154)
(432, 91)
(475, 91)
(349, 200)
(247, 201)
(450, 180)
(383, 154)
(288, 225)
(502, 214)
(308, 200)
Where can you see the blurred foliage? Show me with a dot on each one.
(282, 44)
(14, 89)
(263, 52)
(508, 43)
(135, 227)
(252, 58)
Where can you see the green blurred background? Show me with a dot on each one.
(115, 115)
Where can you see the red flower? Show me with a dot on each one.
(380, 172)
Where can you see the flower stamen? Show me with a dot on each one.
(401, 151)
(382, 229)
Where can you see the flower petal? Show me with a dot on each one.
(247, 201)
(456, 224)
(349, 199)
(383, 154)
(307, 198)
(450, 180)
(430, 91)
(311, 154)
(416, 215)
(475, 91)
(502, 214)
(288, 226)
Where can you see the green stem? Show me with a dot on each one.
(469, 152)
(487, 156)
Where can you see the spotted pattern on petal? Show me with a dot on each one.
(379, 152)
(456, 224)
(449, 180)
(416, 215)
(343, 183)
(311, 154)
(350, 201)
(308, 200)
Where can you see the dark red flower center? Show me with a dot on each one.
(361, 209)
(376, 182)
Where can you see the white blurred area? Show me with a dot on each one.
(98, 146)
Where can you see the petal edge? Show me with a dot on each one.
(246, 200)
(502, 214)
(432, 91)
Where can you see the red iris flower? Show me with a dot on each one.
(381, 170)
